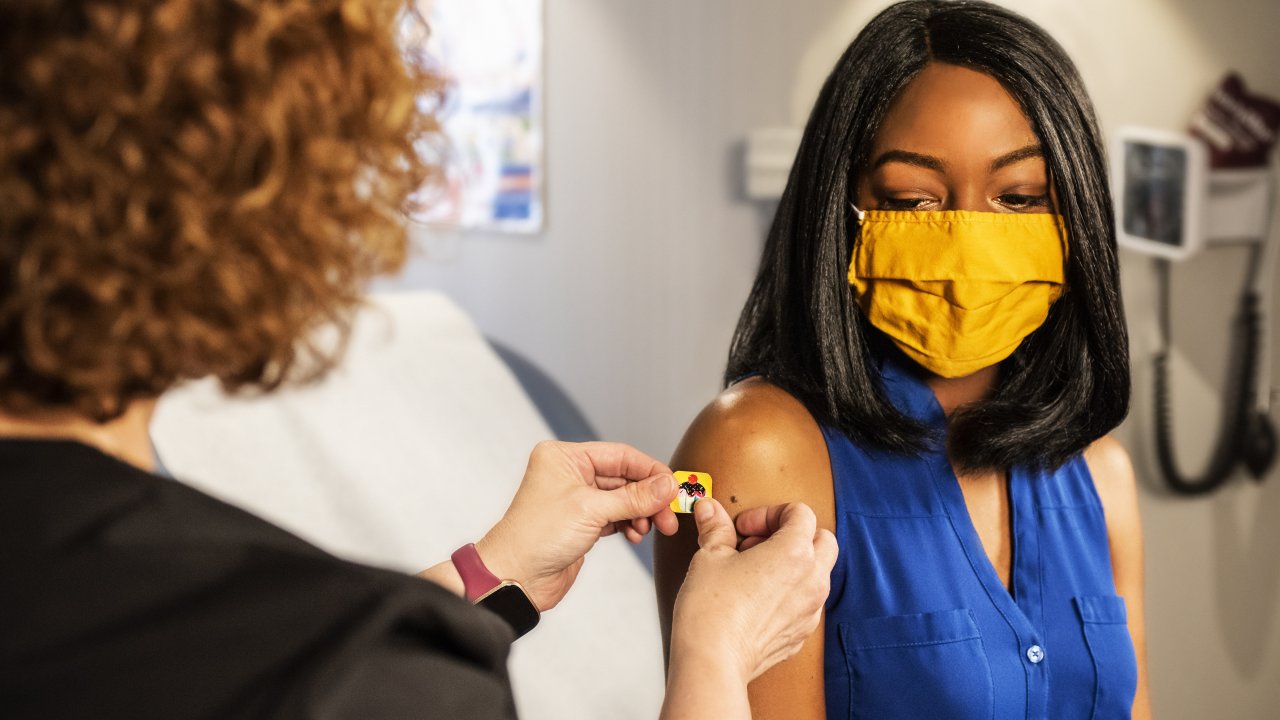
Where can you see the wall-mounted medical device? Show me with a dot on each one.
(1180, 194)
(1161, 190)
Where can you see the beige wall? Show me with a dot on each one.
(630, 294)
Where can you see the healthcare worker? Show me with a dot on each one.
(193, 188)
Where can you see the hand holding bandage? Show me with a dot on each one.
(754, 625)
(572, 495)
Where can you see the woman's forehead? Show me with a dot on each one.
(955, 114)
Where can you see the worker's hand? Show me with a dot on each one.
(572, 495)
(750, 609)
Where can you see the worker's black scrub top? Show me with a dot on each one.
(127, 595)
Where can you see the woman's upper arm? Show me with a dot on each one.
(761, 447)
(1117, 487)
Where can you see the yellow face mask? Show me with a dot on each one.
(957, 290)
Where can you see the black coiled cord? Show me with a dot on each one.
(1247, 435)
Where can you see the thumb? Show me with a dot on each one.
(714, 526)
(635, 499)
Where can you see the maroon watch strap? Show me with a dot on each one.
(476, 578)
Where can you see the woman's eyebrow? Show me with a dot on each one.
(1022, 153)
(904, 156)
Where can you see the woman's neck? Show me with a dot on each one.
(955, 392)
(127, 437)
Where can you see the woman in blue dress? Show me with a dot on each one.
(931, 357)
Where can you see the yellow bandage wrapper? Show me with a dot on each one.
(694, 486)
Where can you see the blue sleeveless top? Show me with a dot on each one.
(919, 624)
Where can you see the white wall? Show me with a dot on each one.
(630, 295)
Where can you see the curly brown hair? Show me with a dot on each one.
(191, 188)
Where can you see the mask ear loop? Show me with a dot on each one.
(859, 214)
(856, 240)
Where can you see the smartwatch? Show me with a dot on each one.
(506, 598)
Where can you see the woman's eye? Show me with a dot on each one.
(1019, 201)
(914, 203)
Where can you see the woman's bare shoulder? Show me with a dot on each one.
(1113, 475)
(1117, 488)
(761, 446)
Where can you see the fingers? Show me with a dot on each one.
(641, 525)
(616, 460)
(635, 530)
(793, 518)
(634, 500)
(758, 524)
(825, 550)
(787, 579)
(666, 521)
(759, 521)
(714, 526)
(796, 520)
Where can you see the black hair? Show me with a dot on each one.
(801, 329)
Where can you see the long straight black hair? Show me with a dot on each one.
(1068, 382)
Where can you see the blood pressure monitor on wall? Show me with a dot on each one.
(1169, 205)
(1161, 188)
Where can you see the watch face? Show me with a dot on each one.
(511, 604)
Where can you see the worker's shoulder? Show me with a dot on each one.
(760, 444)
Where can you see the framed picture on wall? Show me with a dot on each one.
(488, 54)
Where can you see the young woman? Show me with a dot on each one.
(931, 357)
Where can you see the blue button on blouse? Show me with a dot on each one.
(919, 624)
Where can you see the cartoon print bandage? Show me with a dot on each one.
(693, 486)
